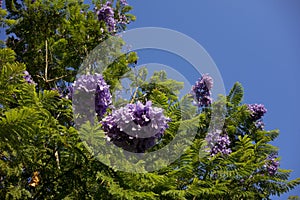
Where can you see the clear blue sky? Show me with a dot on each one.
(254, 42)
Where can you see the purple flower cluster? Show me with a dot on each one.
(135, 127)
(0, 3)
(122, 19)
(102, 98)
(272, 164)
(28, 77)
(97, 85)
(201, 91)
(124, 2)
(218, 143)
(70, 92)
(260, 124)
(106, 14)
(257, 111)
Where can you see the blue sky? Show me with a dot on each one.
(254, 42)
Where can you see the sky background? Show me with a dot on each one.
(254, 42)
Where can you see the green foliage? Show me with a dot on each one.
(53, 37)
(294, 197)
(236, 94)
(6, 56)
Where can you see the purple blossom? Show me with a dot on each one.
(260, 124)
(123, 19)
(124, 2)
(70, 92)
(64, 93)
(272, 164)
(97, 85)
(257, 111)
(1, 3)
(201, 91)
(28, 77)
(106, 14)
(135, 127)
(218, 143)
(102, 97)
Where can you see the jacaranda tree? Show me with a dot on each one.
(42, 153)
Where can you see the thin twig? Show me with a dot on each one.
(136, 89)
(40, 77)
(58, 115)
(57, 159)
(54, 79)
(50, 80)
(46, 67)
(134, 95)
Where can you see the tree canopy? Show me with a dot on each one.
(42, 154)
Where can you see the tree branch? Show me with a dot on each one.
(46, 67)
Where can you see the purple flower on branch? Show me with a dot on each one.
(218, 143)
(97, 85)
(106, 14)
(260, 124)
(272, 164)
(70, 92)
(257, 111)
(135, 127)
(124, 2)
(201, 91)
(28, 77)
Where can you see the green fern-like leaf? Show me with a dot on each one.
(236, 94)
